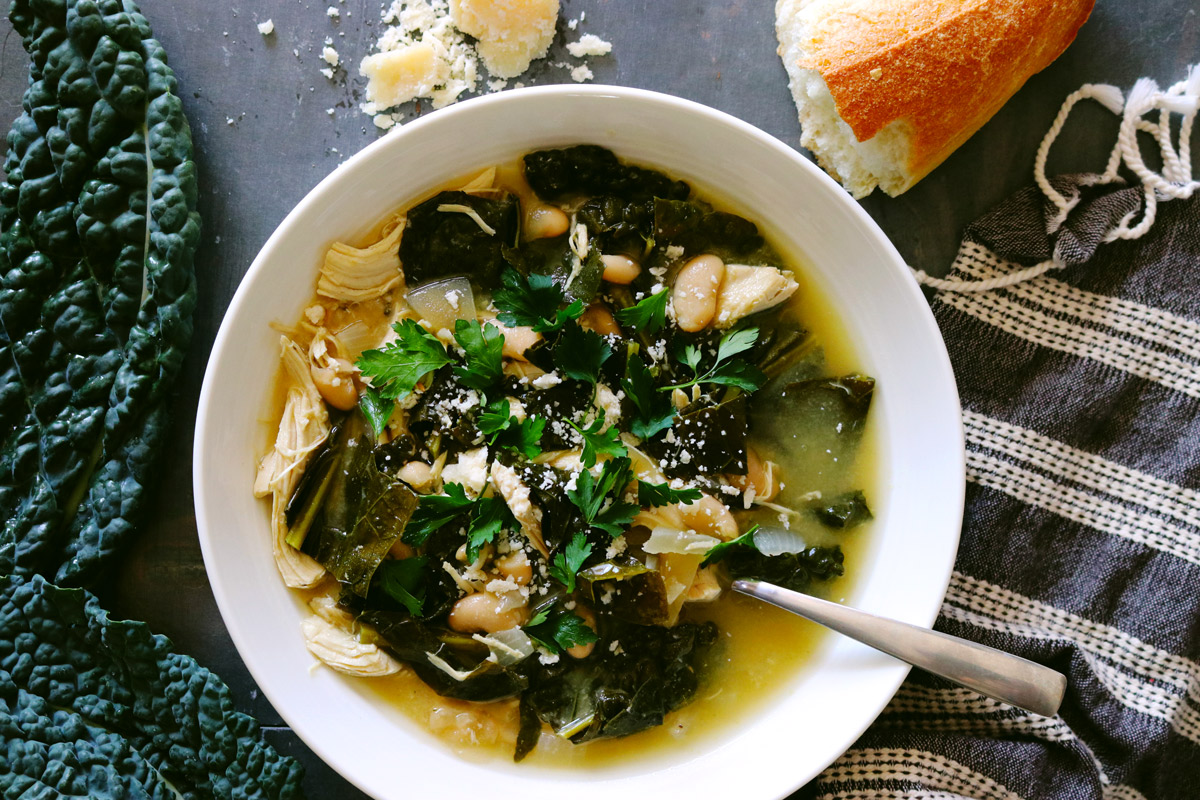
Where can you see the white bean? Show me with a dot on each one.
(336, 386)
(598, 318)
(516, 567)
(584, 650)
(545, 222)
(480, 613)
(620, 269)
(694, 295)
(417, 474)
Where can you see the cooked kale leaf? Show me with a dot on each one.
(96, 707)
(795, 571)
(698, 229)
(442, 239)
(97, 231)
(847, 510)
(589, 170)
(363, 512)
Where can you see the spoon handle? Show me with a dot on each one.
(999, 675)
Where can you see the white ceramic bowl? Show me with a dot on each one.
(916, 411)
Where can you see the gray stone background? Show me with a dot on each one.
(258, 104)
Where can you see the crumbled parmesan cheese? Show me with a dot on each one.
(327, 72)
(266, 28)
(432, 48)
(331, 56)
(332, 12)
(589, 45)
(550, 379)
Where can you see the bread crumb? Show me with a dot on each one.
(266, 28)
(876, 74)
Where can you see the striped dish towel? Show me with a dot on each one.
(1081, 536)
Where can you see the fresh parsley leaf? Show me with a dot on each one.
(524, 302)
(648, 314)
(579, 353)
(434, 511)
(654, 411)
(571, 631)
(726, 370)
(524, 436)
(404, 581)
(508, 432)
(397, 368)
(719, 551)
(597, 442)
(376, 408)
(491, 516)
(484, 346)
(495, 418)
(661, 494)
(567, 563)
(560, 631)
(591, 494)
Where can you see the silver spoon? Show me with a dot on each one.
(999, 675)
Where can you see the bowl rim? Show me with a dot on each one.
(446, 116)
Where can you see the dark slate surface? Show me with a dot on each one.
(263, 138)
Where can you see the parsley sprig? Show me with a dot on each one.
(506, 431)
(567, 562)
(597, 442)
(579, 353)
(661, 494)
(523, 302)
(647, 315)
(484, 346)
(600, 499)
(487, 516)
(557, 629)
(726, 370)
(719, 551)
(653, 411)
(397, 368)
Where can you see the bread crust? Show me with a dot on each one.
(941, 68)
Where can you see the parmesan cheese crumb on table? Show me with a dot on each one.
(433, 48)
(266, 28)
(332, 12)
(331, 56)
(589, 45)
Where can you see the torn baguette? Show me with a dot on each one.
(887, 89)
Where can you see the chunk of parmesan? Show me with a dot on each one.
(266, 28)
(398, 76)
(511, 33)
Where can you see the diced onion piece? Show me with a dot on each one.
(777, 541)
(508, 647)
(682, 542)
(442, 302)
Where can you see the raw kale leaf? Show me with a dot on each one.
(589, 170)
(363, 513)
(97, 232)
(95, 707)
(845, 511)
(440, 243)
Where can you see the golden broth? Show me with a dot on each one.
(760, 651)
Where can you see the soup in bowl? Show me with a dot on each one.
(542, 381)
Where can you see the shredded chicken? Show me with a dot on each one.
(353, 275)
(339, 649)
(748, 290)
(509, 486)
(303, 428)
(705, 588)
